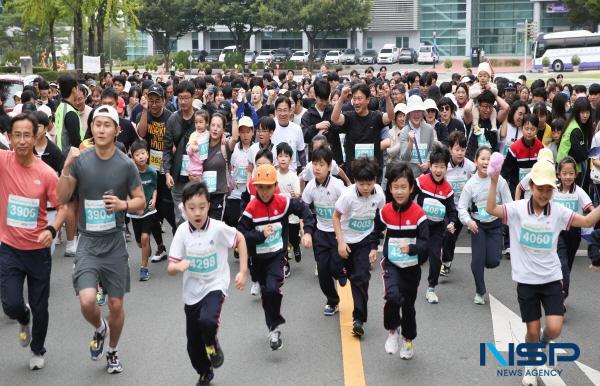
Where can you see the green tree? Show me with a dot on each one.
(43, 13)
(584, 12)
(317, 18)
(165, 20)
(242, 17)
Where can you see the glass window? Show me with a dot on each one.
(369, 42)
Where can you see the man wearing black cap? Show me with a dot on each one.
(152, 127)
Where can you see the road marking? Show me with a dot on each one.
(354, 374)
(467, 251)
(592, 374)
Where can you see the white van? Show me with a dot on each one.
(226, 50)
(428, 54)
(388, 54)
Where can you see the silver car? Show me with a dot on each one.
(350, 56)
(249, 56)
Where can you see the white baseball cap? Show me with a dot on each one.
(106, 111)
(400, 107)
(246, 121)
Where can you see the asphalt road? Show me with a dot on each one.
(153, 349)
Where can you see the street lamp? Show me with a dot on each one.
(434, 48)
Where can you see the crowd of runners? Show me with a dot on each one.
(248, 167)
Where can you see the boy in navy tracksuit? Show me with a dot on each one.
(264, 224)
(404, 251)
(435, 195)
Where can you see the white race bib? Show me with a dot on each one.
(97, 218)
(458, 183)
(419, 150)
(22, 212)
(523, 172)
(203, 140)
(156, 158)
(185, 166)
(203, 263)
(434, 210)
(273, 243)
(399, 258)
(536, 237)
(241, 175)
(210, 178)
(364, 150)
(483, 215)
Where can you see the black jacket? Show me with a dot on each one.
(309, 127)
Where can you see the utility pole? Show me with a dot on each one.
(525, 38)
(110, 65)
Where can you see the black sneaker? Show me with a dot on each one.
(444, 270)
(286, 269)
(161, 254)
(357, 328)
(297, 255)
(206, 378)
(215, 355)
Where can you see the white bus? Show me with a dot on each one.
(560, 47)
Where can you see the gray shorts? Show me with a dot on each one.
(102, 259)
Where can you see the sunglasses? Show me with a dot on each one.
(445, 108)
(431, 110)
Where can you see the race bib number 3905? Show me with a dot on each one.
(97, 218)
(22, 212)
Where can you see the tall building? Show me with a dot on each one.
(454, 26)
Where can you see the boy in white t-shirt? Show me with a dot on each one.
(307, 174)
(353, 221)
(534, 226)
(323, 192)
(199, 250)
(289, 184)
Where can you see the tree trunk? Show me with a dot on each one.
(52, 46)
(91, 38)
(78, 39)
(100, 32)
(311, 50)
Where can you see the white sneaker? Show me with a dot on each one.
(528, 379)
(255, 289)
(431, 296)
(25, 330)
(479, 299)
(407, 352)
(316, 271)
(391, 343)
(71, 248)
(36, 362)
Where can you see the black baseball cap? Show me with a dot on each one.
(157, 90)
(510, 86)
(225, 109)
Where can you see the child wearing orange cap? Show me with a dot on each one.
(265, 224)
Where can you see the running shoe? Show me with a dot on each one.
(357, 328)
(100, 295)
(144, 274)
(215, 355)
(444, 270)
(71, 248)
(205, 378)
(316, 270)
(36, 362)
(330, 310)
(113, 364)
(275, 339)
(297, 255)
(391, 343)
(25, 330)
(431, 296)
(97, 343)
(479, 299)
(407, 352)
(161, 254)
(255, 289)
(286, 269)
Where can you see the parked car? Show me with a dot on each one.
(428, 54)
(265, 56)
(9, 86)
(225, 51)
(368, 57)
(282, 55)
(199, 56)
(350, 56)
(300, 56)
(407, 55)
(333, 57)
(213, 56)
(249, 56)
(319, 55)
(388, 54)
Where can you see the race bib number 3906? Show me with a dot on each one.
(97, 218)
(22, 212)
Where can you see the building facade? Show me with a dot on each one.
(454, 26)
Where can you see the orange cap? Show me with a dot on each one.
(265, 175)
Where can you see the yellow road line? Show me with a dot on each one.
(354, 374)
